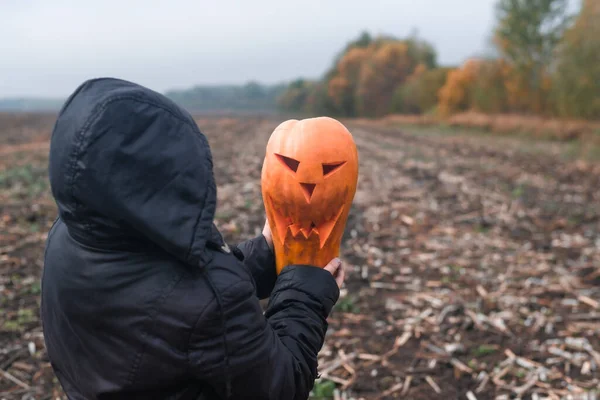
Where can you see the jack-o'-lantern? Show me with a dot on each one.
(309, 179)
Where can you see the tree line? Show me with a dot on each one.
(547, 63)
(250, 97)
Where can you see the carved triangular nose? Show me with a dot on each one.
(308, 189)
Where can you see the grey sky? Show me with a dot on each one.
(48, 47)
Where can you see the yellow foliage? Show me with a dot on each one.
(351, 62)
(342, 86)
(418, 72)
(390, 53)
(389, 67)
(454, 95)
(483, 85)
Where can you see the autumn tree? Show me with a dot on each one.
(389, 66)
(488, 92)
(342, 85)
(577, 77)
(456, 94)
(405, 97)
(422, 51)
(420, 92)
(363, 40)
(296, 95)
(527, 34)
(364, 77)
(318, 101)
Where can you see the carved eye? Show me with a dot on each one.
(289, 162)
(330, 168)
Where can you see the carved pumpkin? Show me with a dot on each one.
(309, 179)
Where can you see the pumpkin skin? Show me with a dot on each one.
(308, 181)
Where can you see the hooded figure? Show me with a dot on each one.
(141, 298)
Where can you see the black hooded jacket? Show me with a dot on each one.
(141, 298)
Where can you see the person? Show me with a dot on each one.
(141, 296)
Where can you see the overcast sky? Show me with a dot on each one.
(48, 47)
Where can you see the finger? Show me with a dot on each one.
(341, 275)
(333, 266)
(268, 234)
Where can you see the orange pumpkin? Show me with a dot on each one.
(309, 179)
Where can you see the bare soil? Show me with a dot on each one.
(474, 263)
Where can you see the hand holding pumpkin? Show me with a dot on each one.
(267, 234)
(336, 268)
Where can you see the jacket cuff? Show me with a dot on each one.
(315, 282)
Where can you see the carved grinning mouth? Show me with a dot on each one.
(305, 229)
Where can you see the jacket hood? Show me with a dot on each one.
(128, 164)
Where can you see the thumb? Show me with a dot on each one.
(333, 266)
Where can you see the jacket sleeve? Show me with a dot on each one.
(260, 260)
(271, 356)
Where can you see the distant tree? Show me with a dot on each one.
(405, 99)
(343, 84)
(577, 77)
(318, 102)
(392, 62)
(456, 94)
(388, 68)
(364, 77)
(249, 97)
(489, 93)
(423, 52)
(254, 90)
(420, 92)
(527, 34)
(295, 96)
(363, 40)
